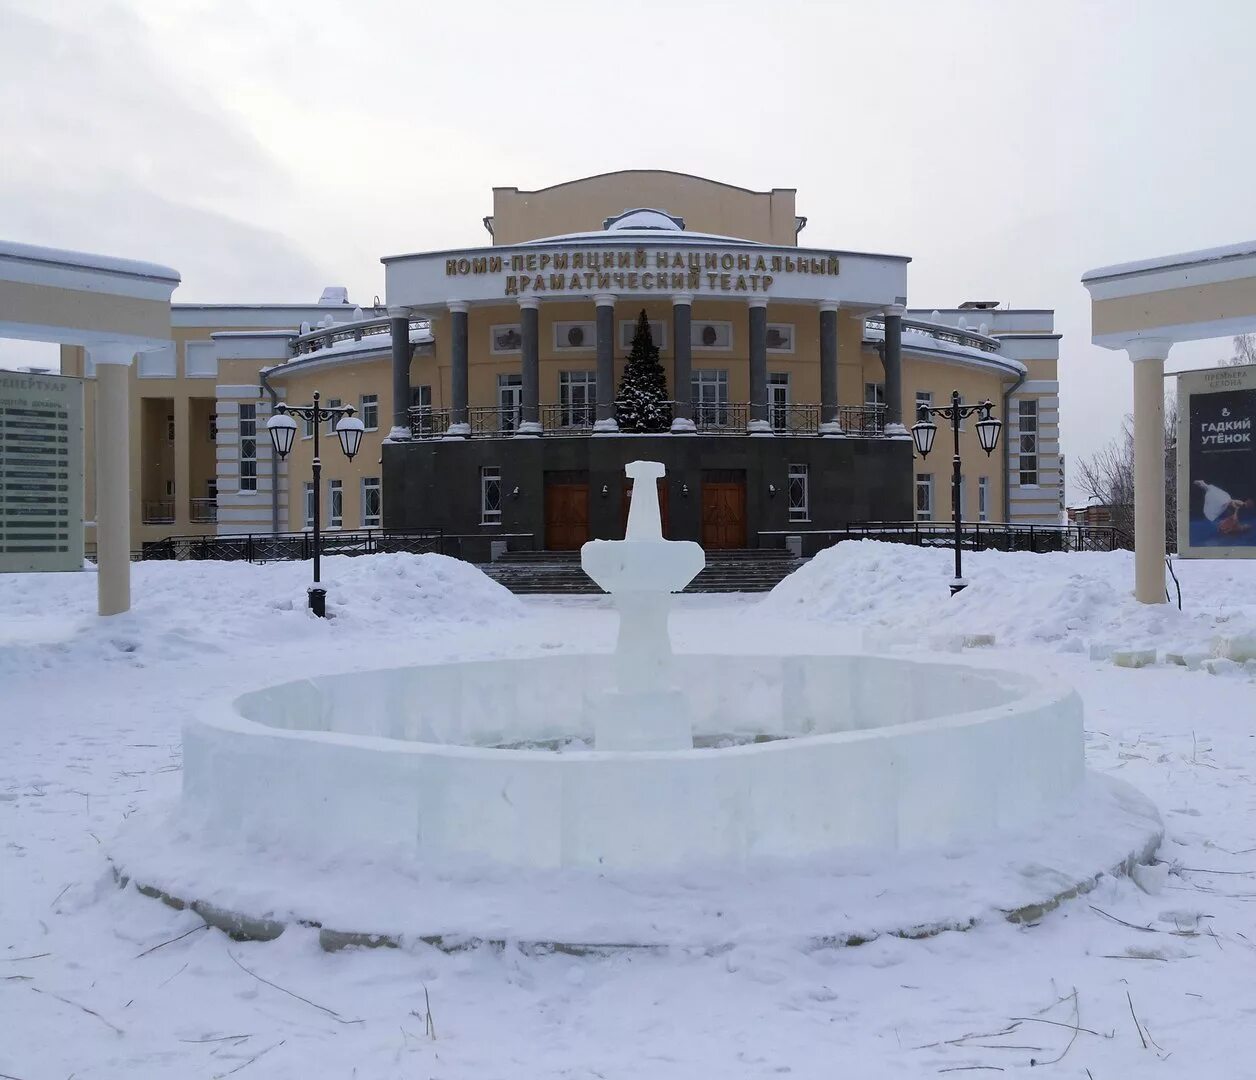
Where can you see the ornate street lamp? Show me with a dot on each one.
(283, 429)
(923, 433)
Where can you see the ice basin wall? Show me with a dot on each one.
(861, 752)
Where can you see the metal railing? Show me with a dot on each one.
(710, 418)
(324, 337)
(204, 510)
(974, 535)
(281, 547)
(970, 339)
(157, 511)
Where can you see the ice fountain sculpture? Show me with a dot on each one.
(419, 778)
(566, 765)
(641, 571)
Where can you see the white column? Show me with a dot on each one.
(113, 476)
(1149, 355)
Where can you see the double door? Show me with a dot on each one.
(723, 509)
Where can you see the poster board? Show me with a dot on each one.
(1216, 463)
(41, 472)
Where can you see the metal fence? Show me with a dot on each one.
(272, 547)
(974, 536)
(709, 417)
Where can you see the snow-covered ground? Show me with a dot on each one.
(97, 981)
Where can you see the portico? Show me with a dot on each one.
(1144, 308)
(116, 308)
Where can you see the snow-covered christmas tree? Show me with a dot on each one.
(643, 404)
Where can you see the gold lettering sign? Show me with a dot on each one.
(603, 269)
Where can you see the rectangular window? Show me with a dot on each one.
(710, 397)
(213, 428)
(421, 399)
(490, 495)
(334, 403)
(983, 498)
(307, 432)
(924, 496)
(211, 489)
(248, 446)
(963, 496)
(924, 398)
(799, 496)
(335, 504)
(369, 412)
(577, 396)
(1029, 442)
(309, 504)
(778, 400)
(509, 402)
(372, 502)
(874, 393)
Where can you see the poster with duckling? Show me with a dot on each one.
(1217, 463)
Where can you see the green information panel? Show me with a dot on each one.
(41, 472)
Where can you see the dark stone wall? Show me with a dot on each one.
(436, 484)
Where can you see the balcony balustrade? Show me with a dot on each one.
(709, 417)
(327, 337)
(157, 511)
(204, 510)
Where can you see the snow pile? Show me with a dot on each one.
(899, 594)
(187, 609)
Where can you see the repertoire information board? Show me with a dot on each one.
(41, 472)
(1216, 455)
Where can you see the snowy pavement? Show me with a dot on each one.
(96, 981)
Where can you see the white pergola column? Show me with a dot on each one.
(1148, 356)
(113, 476)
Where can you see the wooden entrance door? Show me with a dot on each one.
(723, 510)
(627, 503)
(566, 516)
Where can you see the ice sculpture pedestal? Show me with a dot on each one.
(641, 571)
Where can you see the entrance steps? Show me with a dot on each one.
(559, 572)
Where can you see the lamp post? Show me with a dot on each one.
(283, 429)
(923, 432)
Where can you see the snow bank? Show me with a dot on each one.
(1072, 601)
(186, 609)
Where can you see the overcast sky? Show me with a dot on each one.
(269, 149)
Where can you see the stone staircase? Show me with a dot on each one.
(559, 572)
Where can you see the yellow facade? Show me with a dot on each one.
(179, 462)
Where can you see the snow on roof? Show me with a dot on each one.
(920, 340)
(644, 218)
(1170, 262)
(646, 234)
(78, 260)
(370, 343)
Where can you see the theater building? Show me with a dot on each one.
(488, 382)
